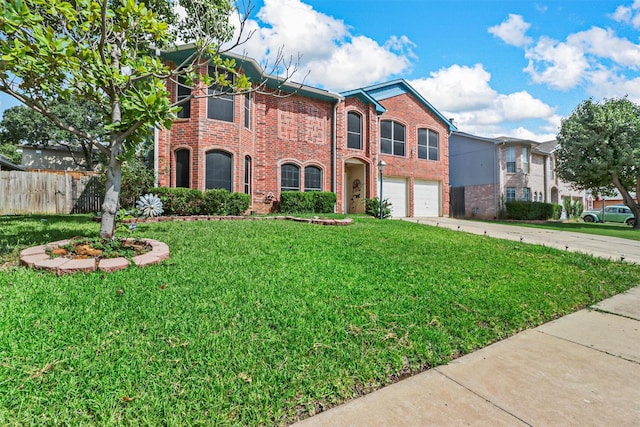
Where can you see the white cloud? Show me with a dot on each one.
(558, 65)
(604, 44)
(628, 14)
(465, 94)
(335, 58)
(512, 31)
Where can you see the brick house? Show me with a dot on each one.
(485, 172)
(309, 140)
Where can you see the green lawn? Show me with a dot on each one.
(265, 322)
(607, 229)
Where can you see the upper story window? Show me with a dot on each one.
(183, 91)
(289, 177)
(183, 174)
(392, 140)
(511, 159)
(220, 100)
(247, 110)
(354, 130)
(525, 159)
(312, 178)
(427, 144)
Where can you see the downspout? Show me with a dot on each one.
(334, 154)
(496, 204)
(156, 155)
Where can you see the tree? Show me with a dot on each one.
(21, 125)
(599, 149)
(105, 52)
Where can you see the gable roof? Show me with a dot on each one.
(382, 91)
(256, 74)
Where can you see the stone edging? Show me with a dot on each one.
(36, 257)
(321, 221)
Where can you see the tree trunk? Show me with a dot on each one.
(111, 195)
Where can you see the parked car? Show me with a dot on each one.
(614, 213)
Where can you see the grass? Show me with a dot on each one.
(610, 229)
(265, 322)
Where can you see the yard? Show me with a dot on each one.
(265, 322)
(610, 229)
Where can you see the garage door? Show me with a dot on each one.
(426, 198)
(395, 189)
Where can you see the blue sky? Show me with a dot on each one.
(498, 67)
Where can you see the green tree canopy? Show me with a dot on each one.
(599, 148)
(104, 52)
(21, 125)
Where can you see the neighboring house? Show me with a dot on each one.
(52, 158)
(309, 140)
(486, 172)
(6, 165)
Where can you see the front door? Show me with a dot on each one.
(355, 188)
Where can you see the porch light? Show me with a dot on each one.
(381, 166)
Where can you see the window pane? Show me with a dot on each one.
(182, 168)
(353, 122)
(247, 175)
(423, 152)
(218, 170)
(184, 92)
(398, 132)
(385, 129)
(312, 179)
(433, 145)
(220, 104)
(398, 148)
(354, 131)
(385, 146)
(290, 178)
(247, 111)
(353, 141)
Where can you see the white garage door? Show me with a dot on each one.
(395, 189)
(426, 198)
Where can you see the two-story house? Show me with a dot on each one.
(487, 172)
(309, 140)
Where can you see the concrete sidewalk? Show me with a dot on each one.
(582, 369)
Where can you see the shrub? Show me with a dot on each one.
(557, 211)
(237, 203)
(372, 207)
(214, 202)
(296, 202)
(525, 210)
(323, 201)
(180, 201)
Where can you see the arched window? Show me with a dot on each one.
(290, 178)
(392, 138)
(183, 169)
(312, 178)
(354, 130)
(247, 175)
(218, 170)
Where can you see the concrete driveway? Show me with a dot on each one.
(600, 246)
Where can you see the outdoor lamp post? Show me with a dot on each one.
(381, 166)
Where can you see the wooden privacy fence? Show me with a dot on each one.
(58, 192)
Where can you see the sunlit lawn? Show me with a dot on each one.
(265, 322)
